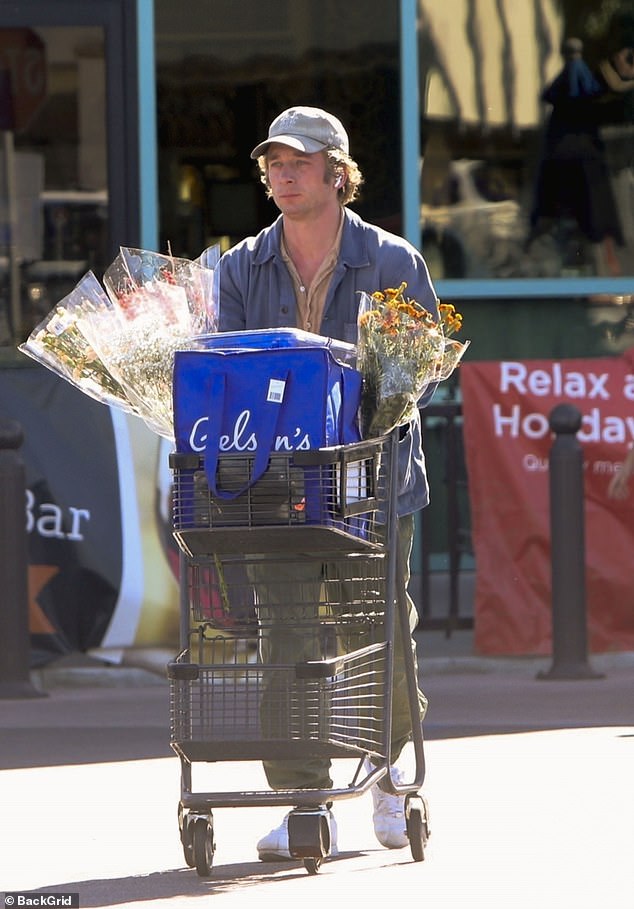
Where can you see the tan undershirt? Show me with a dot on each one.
(312, 300)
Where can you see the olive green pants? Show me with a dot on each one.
(285, 642)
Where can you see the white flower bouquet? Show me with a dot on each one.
(117, 345)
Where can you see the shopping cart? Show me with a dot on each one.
(274, 669)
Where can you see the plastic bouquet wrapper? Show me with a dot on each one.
(117, 345)
(402, 350)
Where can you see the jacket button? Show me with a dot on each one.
(284, 309)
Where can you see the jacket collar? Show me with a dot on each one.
(354, 248)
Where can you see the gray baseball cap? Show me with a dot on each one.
(307, 129)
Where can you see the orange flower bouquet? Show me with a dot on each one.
(402, 350)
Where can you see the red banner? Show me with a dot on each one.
(507, 442)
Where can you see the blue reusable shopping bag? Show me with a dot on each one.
(288, 394)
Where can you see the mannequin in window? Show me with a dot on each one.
(573, 184)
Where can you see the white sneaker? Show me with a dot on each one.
(274, 846)
(389, 813)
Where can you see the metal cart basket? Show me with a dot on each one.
(289, 607)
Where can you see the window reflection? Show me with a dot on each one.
(53, 180)
(486, 68)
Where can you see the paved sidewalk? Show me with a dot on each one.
(520, 773)
(468, 695)
(438, 655)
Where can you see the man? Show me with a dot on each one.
(307, 271)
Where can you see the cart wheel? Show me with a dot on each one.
(312, 865)
(417, 820)
(203, 845)
(185, 827)
(309, 836)
(188, 853)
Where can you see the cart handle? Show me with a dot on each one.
(355, 451)
(183, 672)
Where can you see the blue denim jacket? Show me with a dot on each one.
(255, 291)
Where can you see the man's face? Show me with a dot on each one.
(300, 183)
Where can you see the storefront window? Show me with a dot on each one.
(226, 69)
(527, 138)
(518, 179)
(53, 172)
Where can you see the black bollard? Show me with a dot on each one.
(567, 549)
(15, 681)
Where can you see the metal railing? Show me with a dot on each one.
(446, 606)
